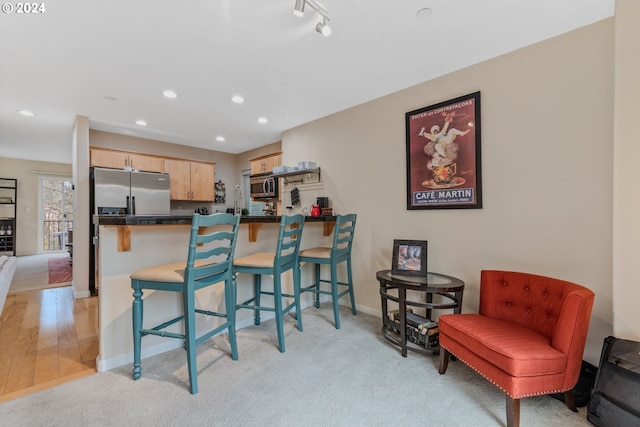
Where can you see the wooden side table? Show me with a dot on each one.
(449, 288)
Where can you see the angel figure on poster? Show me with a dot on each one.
(441, 146)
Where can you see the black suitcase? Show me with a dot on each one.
(616, 395)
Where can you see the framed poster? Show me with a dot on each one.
(409, 257)
(443, 155)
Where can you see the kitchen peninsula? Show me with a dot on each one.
(129, 243)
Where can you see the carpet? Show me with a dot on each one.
(327, 377)
(32, 273)
(60, 270)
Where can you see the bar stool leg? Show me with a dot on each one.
(190, 333)
(137, 336)
(317, 291)
(257, 287)
(350, 282)
(334, 294)
(296, 293)
(277, 300)
(230, 300)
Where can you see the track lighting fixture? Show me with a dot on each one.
(298, 9)
(323, 26)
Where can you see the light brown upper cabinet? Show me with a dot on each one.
(120, 159)
(265, 164)
(190, 180)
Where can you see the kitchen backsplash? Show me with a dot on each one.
(307, 194)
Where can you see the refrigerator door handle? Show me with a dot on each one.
(128, 205)
(133, 205)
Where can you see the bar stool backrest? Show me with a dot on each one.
(343, 236)
(289, 238)
(212, 242)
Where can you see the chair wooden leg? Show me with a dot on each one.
(444, 360)
(137, 336)
(513, 412)
(570, 401)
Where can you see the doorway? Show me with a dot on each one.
(55, 205)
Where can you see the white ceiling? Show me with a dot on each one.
(67, 60)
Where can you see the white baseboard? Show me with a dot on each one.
(79, 294)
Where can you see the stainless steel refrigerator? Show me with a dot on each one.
(122, 192)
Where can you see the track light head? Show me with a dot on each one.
(298, 9)
(324, 28)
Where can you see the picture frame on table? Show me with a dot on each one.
(443, 155)
(409, 257)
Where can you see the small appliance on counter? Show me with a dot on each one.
(269, 209)
(323, 204)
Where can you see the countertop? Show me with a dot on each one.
(186, 219)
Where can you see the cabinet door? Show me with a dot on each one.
(265, 164)
(273, 162)
(202, 181)
(146, 163)
(108, 159)
(180, 178)
(257, 167)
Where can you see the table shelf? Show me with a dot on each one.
(449, 291)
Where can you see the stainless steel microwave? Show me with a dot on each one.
(264, 187)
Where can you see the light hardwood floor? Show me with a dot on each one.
(46, 338)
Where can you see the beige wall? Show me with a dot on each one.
(547, 121)
(28, 174)
(626, 228)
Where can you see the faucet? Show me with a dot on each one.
(236, 207)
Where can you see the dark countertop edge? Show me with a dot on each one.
(183, 219)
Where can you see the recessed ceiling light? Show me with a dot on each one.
(237, 99)
(424, 13)
(262, 120)
(141, 122)
(220, 138)
(27, 113)
(170, 94)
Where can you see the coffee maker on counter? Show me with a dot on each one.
(323, 204)
(269, 209)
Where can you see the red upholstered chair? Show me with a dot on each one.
(527, 339)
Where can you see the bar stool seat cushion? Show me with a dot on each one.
(259, 259)
(316, 253)
(172, 272)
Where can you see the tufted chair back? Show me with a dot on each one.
(557, 309)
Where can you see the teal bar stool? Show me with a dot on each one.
(339, 252)
(209, 261)
(285, 258)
